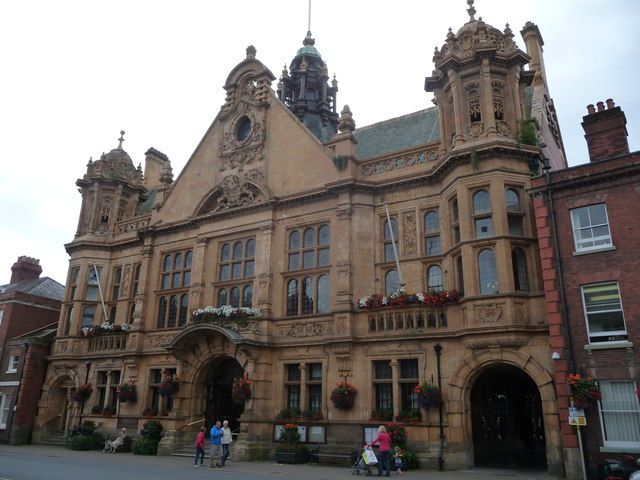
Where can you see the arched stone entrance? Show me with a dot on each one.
(216, 380)
(507, 421)
(57, 408)
(459, 412)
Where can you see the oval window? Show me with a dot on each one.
(243, 129)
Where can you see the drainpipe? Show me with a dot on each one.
(438, 349)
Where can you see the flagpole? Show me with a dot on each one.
(104, 308)
(393, 244)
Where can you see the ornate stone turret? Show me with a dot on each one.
(307, 93)
(111, 190)
(346, 122)
(478, 83)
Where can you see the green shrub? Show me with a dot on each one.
(152, 430)
(85, 442)
(397, 433)
(146, 446)
(410, 460)
(288, 414)
(528, 133)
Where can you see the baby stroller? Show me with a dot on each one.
(365, 458)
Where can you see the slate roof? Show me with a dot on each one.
(397, 133)
(42, 287)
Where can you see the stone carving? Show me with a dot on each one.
(254, 174)
(126, 277)
(234, 192)
(240, 325)
(510, 341)
(235, 152)
(132, 225)
(62, 346)
(409, 235)
(475, 129)
(157, 340)
(503, 128)
(311, 329)
(384, 166)
(488, 312)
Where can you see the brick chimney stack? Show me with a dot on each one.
(605, 131)
(26, 268)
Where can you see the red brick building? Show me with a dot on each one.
(29, 311)
(588, 238)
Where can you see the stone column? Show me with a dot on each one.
(487, 98)
(395, 375)
(303, 386)
(196, 292)
(264, 292)
(143, 284)
(458, 110)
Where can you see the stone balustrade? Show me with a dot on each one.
(107, 343)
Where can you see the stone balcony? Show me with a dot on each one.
(107, 343)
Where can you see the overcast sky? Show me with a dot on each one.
(74, 73)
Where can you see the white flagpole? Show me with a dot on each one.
(393, 244)
(104, 309)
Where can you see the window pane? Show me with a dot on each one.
(384, 396)
(394, 228)
(323, 294)
(484, 227)
(293, 373)
(512, 200)
(432, 246)
(224, 272)
(167, 263)
(520, 274)
(293, 396)
(388, 253)
(315, 397)
(454, 210)
(409, 397)
(294, 261)
(488, 272)
(432, 222)
(226, 252)
(323, 235)
(434, 278)
(294, 240)
(409, 368)
(234, 299)
(598, 214)
(392, 282)
(178, 262)
(251, 248)
(92, 292)
(236, 270)
(309, 237)
(515, 225)
(460, 275)
(187, 259)
(315, 371)
(173, 312)
(176, 282)
(292, 297)
(481, 202)
(308, 258)
(247, 296)
(248, 268)
(162, 312)
(323, 257)
(307, 295)
(87, 316)
(620, 411)
(603, 297)
(187, 278)
(382, 369)
(222, 297)
(237, 250)
(184, 308)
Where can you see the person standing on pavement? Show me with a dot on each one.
(216, 441)
(226, 442)
(384, 440)
(200, 446)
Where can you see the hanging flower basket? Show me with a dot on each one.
(583, 390)
(83, 392)
(168, 387)
(344, 396)
(429, 395)
(241, 389)
(401, 299)
(127, 393)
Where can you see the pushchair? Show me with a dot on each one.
(364, 459)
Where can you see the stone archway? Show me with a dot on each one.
(459, 400)
(56, 407)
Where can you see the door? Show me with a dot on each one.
(219, 405)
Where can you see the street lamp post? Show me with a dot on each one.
(86, 380)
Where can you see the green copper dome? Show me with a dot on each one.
(308, 47)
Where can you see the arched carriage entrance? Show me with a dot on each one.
(507, 420)
(218, 379)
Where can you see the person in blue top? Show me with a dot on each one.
(216, 442)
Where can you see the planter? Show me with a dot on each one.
(292, 457)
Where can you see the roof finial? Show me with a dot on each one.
(121, 139)
(471, 11)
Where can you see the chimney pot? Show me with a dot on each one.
(591, 109)
(605, 132)
(26, 268)
(610, 103)
(600, 106)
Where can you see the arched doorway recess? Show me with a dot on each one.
(217, 378)
(507, 419)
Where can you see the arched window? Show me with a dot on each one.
(93, 279)
(225, 252)
(238, 262)
(391, 282)
(292, 297)
(455, 220)
(115, 285)
(247, 296)
(251, 248)
(307, 295)
(178, 261)
(434, 279)
(237, 250)
(184, 308)
(222, 297)
(514, 212)
(488, 272)
(187, 259)
(323, 294)
(432, 233)
(323, 235)
(168, 262)
(520, 274)
(162, 312)
(173, 311)
(88, 314)
(482, 214)
(388, 244)
(323, 240)
(234, 300)
(176, 270)
(309, 238)
(294, 240)
(460, 275)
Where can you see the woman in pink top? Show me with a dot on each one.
(200, 446)
(384, 440)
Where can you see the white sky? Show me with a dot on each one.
(74, 73)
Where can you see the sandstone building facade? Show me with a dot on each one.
(283, 208)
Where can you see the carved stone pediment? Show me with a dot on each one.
(234, 191)
(508, 341)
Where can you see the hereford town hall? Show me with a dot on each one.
(289, 209)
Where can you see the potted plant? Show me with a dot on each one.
(126, 393)
(290, 449)
(344, 396)
(312, 415)
(397, 433)
(151, 434)
(168, 387)
(382, 415)
(583, 390)
(428, 395)
(241, 389)
(83, 392)
(109, 411)
(408, 416)
(289, 414)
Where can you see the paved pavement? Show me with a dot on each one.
(44, 462)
